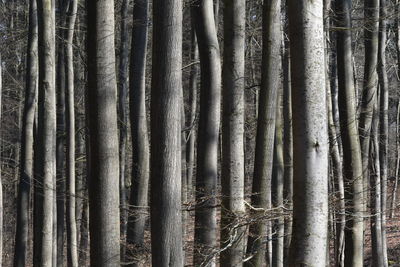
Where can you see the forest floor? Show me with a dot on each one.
(9, 195)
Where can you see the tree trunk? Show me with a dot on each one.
(123, 120)
(140, 143)
(72, 244)
(397, 168)
(277, 188)
(287, 146)
(166, 213)
(384, 122)
(397, 40)
(371, 13)
(375, 185)
(61, 134)
(310, 134)
(339, 185)
(352, 162)
(46, 132)
(263, 162)
(190, 150)
(233, 169)
(103, 131)
(26, 169)
(208, 131)
(338, 210)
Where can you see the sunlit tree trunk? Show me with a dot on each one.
(310, 134)
(72, 244)
(233, 169)
(26, 166)
(375, 185)
(46, 155)
(104, 212)
(208, 131)
(384, 121)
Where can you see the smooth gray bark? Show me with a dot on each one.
(72, 243)
(310, 134)
(277, 188)
(369, 91)
(190, 150)
(26, 166)
(232, 168)
(123, 84)
(137, 99)
(263, 162)
(46, 131)
(375, 191)
(208, 131)
(165, 160)
(103, 130)
(287, 146)
(59, 222)
(383, 121)
(352, 162)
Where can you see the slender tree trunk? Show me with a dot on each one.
(72, 244)
(233, 169)
(397, 40)
(371, 32)
(166, 213)
(190, 150)
(103, 130)
(123, 120)
(375, 185)
(352, 162)
(61, 134)
(84, 240)
(310, 134)
(277, 188)
(287, 147)
(339, 185)
(46, 131)
(26, 169)
(397, 168)
(140, 143)
(81, 177)
(263, 162)
(185, 214)
(207, 145)
(384, 122)
(338, 210)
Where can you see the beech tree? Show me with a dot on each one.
(26, 168)
(123, 118)
(310, 134)
(207, 144)
(232, 180)
(137, 98)
(165, 159)
(72, 245)
(383, 122)
(352, 159)
(263, 161)
(103, 130)
(43, 253)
